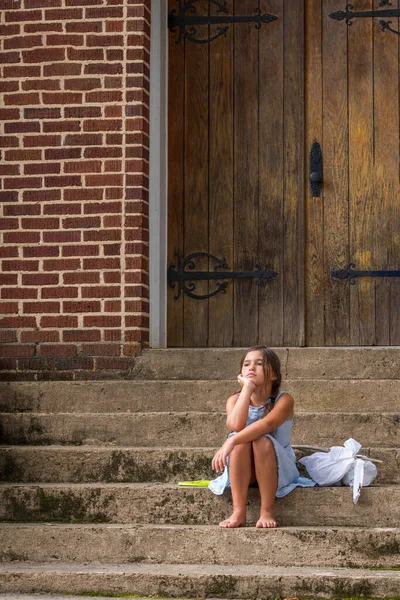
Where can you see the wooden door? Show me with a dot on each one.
(352, 109)
(236, 152)
(244, 111)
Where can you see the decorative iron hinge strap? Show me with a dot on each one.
(352, 274)
(178, 274)
(348, 15)
(185, 19)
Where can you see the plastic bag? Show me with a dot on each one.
(340, 466)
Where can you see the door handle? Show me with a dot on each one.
(316, 174)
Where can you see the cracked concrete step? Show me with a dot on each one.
(199, 581)
(90, 464)
(58, 597)
(297, 363)
(115, 544)
(379, 506)
(311, 395)
(189, 429)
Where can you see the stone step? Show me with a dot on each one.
(117, 544)
(91, 464)
(189, 429)
(297, 363)
(379, 506)
(199, 581)
(311, 395)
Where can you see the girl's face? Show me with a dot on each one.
(253, 368)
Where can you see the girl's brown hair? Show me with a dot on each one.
(272, 364)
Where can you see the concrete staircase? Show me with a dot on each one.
(89, 501)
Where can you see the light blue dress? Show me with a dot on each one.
(288, 474)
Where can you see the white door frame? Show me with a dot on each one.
(158, 187)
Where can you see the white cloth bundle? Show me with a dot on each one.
(340, 466)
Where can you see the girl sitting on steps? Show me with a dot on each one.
(258, 448)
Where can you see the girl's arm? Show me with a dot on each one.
(276, 417)
(237, 407)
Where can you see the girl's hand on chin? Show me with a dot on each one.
(243, 381)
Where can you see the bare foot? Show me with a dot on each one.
(267, 520)
(237, 519)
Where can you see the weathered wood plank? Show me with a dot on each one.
(221, 179)
(336, 185)
(196, 178)
(314, 207)
(271, 123)
(293, 301)
(246, 173)
(360, 85)
(176, 87)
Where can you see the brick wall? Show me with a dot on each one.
(74, 143)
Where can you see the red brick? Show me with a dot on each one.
(65, 40)
(82, 112)
(8, 364)
(42, 196)
(101, 292)
(115, 179)
(67, 14)
(113, 166)
(9, 30)
(61, 126)
(103, 41)
(136, 291)
(101, 263)
(81, 222)
(102, 321)
(114, 193)
(21, 128)
(115, 363)
(62, 98)
(81, 195)
(59, 292)
(113, 111)
(63, 181)
(114, 139)
(39, 279)
(103, 207)
(103, 152)
(101, 235)
(22, 237)
(84, 306)
(41, 84)
(137, 321)
(103, 125)
(62, 153)
(112, 221)
(88, 166)
(17, 350)
(55, 364)
(9, 141)
(62, 69)
(21, 72)
(58, 350)
(63, 264)
(80, 278)
(60, 237)
(8, 308)
(83, 85)
(42, 27)
(19, 293)
(42, 141)
(22, 182)
(8, 336)
(26, 41)
(9, 114)
(112, 306)
(137, 207)
(41, 307)
(104, 96)
(42, 3)
(20, 265)
(43, 55)
(40, 336)
(114, 26)
(109, 12)
(41, 223)
(9, 57)
(62, 209)
(132, 349)
(9, 86)
(103, 69)
(80, 335)
(84, 139)
(112, 335)
(141, 306)
(59, 321)
(42, 113)
(80, 250)
(101, 349)
(8, 279)
(40, 251)
(9, 170)
(42, 168)
(112, 277)
(88, 27)
(85, 55)
(134, 335)
(9, 252)
(17, 322)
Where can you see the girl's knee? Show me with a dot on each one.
(263, 446)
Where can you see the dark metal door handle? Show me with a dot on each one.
(316, 175)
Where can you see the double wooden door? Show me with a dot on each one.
(244, 111)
